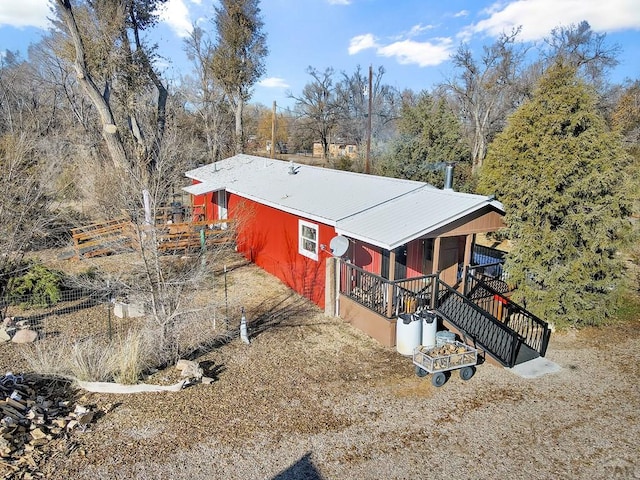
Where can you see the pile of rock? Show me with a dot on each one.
(33, 415)
(17, 331)
(192, 370)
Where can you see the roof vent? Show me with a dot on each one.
(292, 169)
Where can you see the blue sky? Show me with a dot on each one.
(411, 39)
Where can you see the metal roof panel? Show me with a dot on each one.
(383, 211)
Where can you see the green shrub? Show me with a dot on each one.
(38, 287)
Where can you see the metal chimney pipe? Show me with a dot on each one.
(448, 177)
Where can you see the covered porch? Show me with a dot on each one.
(481, 313)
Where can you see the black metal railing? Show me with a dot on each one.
(489, 262)
(385, 297)
(479, 317)
(482, 254)
(487, 332)
(535, 331)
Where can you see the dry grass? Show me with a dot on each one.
(129, 357)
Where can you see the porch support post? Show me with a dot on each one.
(468, 249)
(436, 255)
(331, 288)
(392, 277)
(435, 269)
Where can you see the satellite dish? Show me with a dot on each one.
(339, 245)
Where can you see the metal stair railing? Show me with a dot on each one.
(534, 331)
(486, 331)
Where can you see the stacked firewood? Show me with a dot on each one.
(34, 415)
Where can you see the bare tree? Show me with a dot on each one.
(208, 97)
(584, 49)
(318, 107)
(25, 205)
(352, 93)
(487, 90)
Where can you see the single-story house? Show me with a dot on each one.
(336, 149)
(288, 216)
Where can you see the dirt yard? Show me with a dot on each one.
(312, 398)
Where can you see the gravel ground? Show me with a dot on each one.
(312, 398)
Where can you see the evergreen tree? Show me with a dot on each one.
(429, 136)
(562, 177)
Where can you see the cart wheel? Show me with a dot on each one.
(466, 373)
(438, 379)
(421, 372)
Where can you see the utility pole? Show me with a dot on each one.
(273, 130)
(367, 162)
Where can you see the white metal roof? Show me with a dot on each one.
(383, 211)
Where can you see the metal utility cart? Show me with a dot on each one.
(450, 356)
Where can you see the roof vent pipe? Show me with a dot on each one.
(448, 177)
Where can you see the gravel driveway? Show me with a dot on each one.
(313, 398)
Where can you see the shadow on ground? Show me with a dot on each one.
(303, 469)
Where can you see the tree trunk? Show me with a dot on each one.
(109, 129)
(239, 130)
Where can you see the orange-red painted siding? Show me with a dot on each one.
(366, 257)
(414, 259)
(269, 238)
(204, 206)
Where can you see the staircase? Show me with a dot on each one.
(519, 337)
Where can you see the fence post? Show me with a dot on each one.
(109, 325)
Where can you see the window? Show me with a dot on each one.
(308, 239)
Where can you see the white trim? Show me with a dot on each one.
(221, 200)
(305, 242)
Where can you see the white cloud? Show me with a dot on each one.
(461, 13)
(539, 17)
(423, 54)
(176, 15)
(362, 42)
(25, 13)
(273, 82)
(418, 29)
(339, 2)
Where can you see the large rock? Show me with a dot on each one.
(189, 369)
(4, 335)
(25, 336)
(128, 310)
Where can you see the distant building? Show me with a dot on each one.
(338, 149)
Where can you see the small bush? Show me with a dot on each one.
(38, 287)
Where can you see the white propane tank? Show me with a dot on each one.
(429, 328)
(408, 333)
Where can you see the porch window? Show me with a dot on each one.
(308, 239)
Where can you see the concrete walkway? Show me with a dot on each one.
(535, 368)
